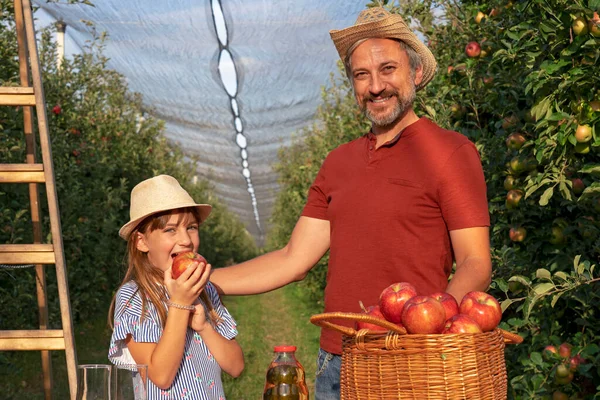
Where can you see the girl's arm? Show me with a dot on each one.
(164, 358)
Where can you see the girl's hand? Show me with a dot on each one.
(198, 319)
(186, 289)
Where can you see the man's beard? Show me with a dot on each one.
(403, 104)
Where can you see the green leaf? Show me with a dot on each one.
(430, 111)
(546, 196)
(520, 279)
(543, 273)
(555, 299)
(536, 358)
(543, 288)
(506, 303)
(561, 275)
(591, 168)
(594, 5)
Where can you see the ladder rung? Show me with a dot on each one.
(27, 254)
(17, 96)
(41, 339)
(22, 173)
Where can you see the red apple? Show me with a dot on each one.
(509, 182)
(423, 314)
(461, 323)
(56, 109)
(183, 261)
(392, 299)
(558, 395)
(473, 50)
(483, 308)
(578, 186)
(594, 25)
(575, 361)
(515, 141)
(513, 198)
(564, 350)
(550, 349)
(449, 303)
(375, 312)
(517, 234)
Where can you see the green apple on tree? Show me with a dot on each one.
(579, 26)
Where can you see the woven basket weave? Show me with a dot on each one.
(394, 365)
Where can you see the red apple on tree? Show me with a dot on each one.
(56, 109)
(473, 49)
(183, 261)
(578, 186)
(517, 234)
(513, 198)
(550, 349)
(594, 25)
(509, 182)
(423, 314)
(461, 323)
(374, 312)
(393, 298)
(564, 350)
(515, 141)
(483, 308)
(448, 301)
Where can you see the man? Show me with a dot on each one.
(399, 204)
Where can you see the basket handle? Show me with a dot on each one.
(510, 338)
(322, 321)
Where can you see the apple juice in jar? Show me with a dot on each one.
(285, 376)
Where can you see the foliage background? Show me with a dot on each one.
(101, 149)
(534, 77)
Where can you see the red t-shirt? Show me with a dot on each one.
(390, 210)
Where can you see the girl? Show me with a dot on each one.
(178, 327)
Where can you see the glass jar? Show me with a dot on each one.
(285, 376)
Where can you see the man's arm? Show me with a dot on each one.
(308, 243)
(473, 261)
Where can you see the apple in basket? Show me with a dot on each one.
(483, 308)
(374, 312)
(461, 323)
(182, 261)
(393, 298)
(448, 301)
(423, 314)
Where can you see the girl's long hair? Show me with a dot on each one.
(148, 278)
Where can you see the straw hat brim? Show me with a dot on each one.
(390, 27)
(203, 209)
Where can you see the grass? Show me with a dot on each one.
(264, 321)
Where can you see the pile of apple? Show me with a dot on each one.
(400, 304)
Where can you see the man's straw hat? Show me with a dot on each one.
(154, 195)
(377, 22)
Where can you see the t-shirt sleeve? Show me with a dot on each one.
(317, 202)
(128, 308)
(227, 327)
(462, 190)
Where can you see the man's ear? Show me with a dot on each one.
(418, 75)
(141, 244)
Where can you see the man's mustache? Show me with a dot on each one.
(382, 95)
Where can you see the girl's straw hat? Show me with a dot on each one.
(377, 22)
(154, 195)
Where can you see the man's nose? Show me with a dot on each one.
(377, 84)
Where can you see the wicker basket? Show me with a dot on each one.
(394, 365)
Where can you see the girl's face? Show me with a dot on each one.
(179, 234)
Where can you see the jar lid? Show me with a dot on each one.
(284, 349)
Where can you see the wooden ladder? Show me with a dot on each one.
(29, 95)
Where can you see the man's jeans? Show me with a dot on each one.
(327, 383)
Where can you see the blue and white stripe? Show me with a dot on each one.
(199, 375)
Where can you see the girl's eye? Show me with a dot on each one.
(193, 227)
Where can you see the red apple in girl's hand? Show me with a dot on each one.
(483, 308)
(184, 260)
(423, 314)
(461, 323)
(392, 299)
(449, 303)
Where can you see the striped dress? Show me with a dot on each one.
(199, 375)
